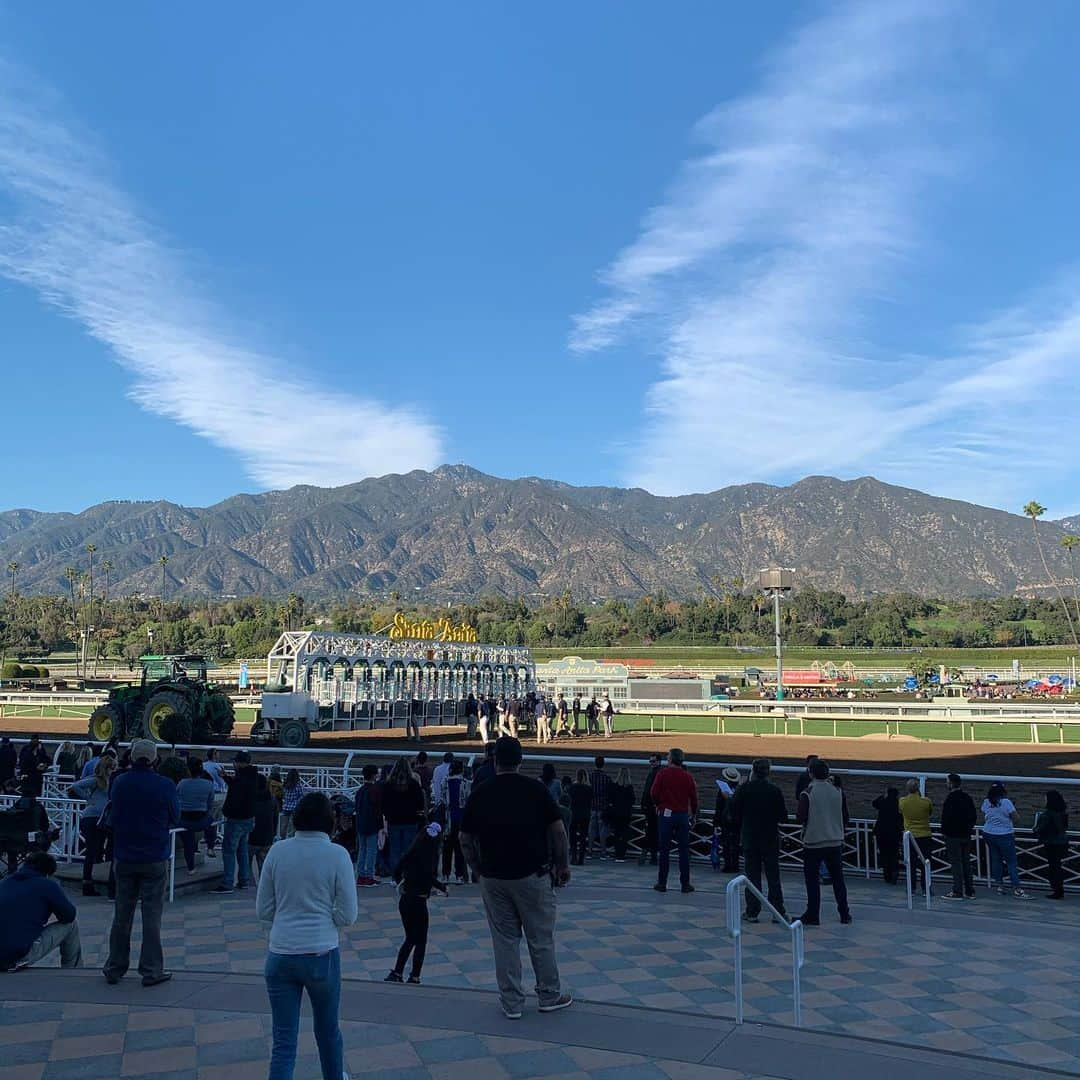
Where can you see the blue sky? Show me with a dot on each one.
(678, 246)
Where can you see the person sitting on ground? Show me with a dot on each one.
(888, 831)
(416, 876)
(35, 819)
(29, 898)
(916, 809)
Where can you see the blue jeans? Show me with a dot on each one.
(1002, 854)
(367, 848)
(287, 977)
(401, 836)
(674, 826)
(234, 849)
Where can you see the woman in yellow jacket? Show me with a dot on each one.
(916, 809)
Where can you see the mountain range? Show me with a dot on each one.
(454, 533)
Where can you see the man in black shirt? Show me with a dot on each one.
(957, 822)
(486, 769)
(759, 811)
(515, 843)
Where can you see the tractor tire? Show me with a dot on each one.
(216, 723)
(163, 704)
(293, 734)
(105, 723)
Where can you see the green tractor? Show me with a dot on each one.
(173, 703)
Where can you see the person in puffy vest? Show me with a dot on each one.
(821, 813)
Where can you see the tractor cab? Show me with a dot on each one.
(172, 668)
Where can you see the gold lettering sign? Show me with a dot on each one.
(426, 630)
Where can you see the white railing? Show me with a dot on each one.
(64, 815)
(734, 896)
(912, 851)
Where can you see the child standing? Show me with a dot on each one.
(416, 876)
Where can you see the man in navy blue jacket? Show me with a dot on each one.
(143, 808)
(29, 898)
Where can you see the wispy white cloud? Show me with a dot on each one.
(80, 242)
(774, 250)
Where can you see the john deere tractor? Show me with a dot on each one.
(173, 703)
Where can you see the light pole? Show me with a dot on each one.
(775, 582)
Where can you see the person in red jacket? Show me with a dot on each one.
(674, 794)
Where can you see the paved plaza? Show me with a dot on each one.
(992, 981)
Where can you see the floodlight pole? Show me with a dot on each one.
(779, 649)
(775, 581)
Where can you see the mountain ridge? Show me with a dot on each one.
(455, 532)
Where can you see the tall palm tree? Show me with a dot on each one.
(163, 562)
(13, 569)
(90, 549)
(106, 567)
(1035, 510)
(1068, 542)
(71, 574)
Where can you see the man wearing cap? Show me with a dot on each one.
(514, 840)
(723, 823)
(144, 807)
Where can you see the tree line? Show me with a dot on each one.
(123, 628)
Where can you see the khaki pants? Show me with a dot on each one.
(543, 729)
(57, 935)
(525, 905)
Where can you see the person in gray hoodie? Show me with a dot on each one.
(821, 813)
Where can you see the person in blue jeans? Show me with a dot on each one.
(306, 893)
(403, 808)
(239, 813)
(368, 818)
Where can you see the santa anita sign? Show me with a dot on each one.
(574, 677)
(427, 630)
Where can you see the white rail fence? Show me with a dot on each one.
(913, 856)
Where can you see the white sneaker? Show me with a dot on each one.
(511, 1014)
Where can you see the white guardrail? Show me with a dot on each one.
(734, 896)
(912, 856)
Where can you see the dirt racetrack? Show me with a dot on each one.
(904, 756)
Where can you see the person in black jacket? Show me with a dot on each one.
(239, 814)
(416, 876)
(957, 824)
(9, 761)
(758, 809)
(650, 842)
(620, 809)
(1052, 828)
(266, 822)
(580, 812)
(888, 829)
(33, 763)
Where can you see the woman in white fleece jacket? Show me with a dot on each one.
(306, 891)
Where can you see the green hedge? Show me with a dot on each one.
(23, 671)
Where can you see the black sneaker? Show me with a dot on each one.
(413, 980)
(952, 896)
(393, 977)
(749, 918)
(688, 888)
(970, 895)
(660, 887)
(809, 920)
(222, 888)
(847, 920)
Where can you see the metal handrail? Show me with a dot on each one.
(928, 870)
(734, 897)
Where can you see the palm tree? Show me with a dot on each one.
(106, 566)
(71, 574)
(163, 562)
(13, 569)
(1035, 510)
(1068, 542)
(90, 549)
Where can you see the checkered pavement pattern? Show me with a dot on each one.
(46, 1041)
(995, 978)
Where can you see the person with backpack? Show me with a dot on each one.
(367, 808)
(457, 795)
(416, 877)
(958, 818)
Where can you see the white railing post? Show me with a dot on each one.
(734, 895)
(910, 850)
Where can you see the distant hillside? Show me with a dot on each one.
(455, 532)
